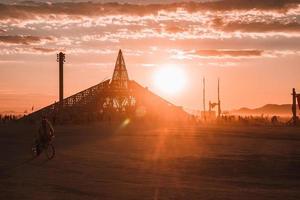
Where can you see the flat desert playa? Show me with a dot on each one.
(111, 161)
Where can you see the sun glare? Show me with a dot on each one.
(170, 79)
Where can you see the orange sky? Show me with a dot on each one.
(252, 46)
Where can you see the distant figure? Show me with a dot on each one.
(274, 120)
(45, 133)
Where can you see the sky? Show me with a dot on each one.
(253, 47)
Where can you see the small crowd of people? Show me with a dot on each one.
(8, 118)
(248, 120)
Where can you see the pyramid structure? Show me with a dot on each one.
(114, 98)
(120, 76)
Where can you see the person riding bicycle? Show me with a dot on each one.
(45, 133)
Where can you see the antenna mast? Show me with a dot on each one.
(219, 102)
(204, 110)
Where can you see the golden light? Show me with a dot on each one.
(170, 79)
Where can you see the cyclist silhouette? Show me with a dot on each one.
(45, 134)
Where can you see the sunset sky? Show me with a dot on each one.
(253, 46)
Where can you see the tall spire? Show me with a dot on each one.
(120, 77)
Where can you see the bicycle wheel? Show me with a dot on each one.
(50, 151)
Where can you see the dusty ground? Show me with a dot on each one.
(137, 162)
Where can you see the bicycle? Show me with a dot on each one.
(37, 148)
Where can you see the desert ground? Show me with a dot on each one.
(143, 161)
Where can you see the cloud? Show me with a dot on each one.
(79, 25)
(25, 40)
(185, 20)
(38, 50)
(228, 53)
(216, 53)
(148, 65)
(34, 10)
(229, 5)
(175, 29)
(44, 50)
(258, 27)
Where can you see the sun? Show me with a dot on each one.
(170, 79)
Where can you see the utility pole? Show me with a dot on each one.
(219, 102)
(61, 60)
(204, 110)
(294, 107)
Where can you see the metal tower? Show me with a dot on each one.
(120, 76)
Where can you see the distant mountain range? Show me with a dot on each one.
(269, 109)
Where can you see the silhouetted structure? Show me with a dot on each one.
(295, 96)
(120, 76)
(61, 60)
(219, 101)
(212, 105)
(204, 110)
(111, 99)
